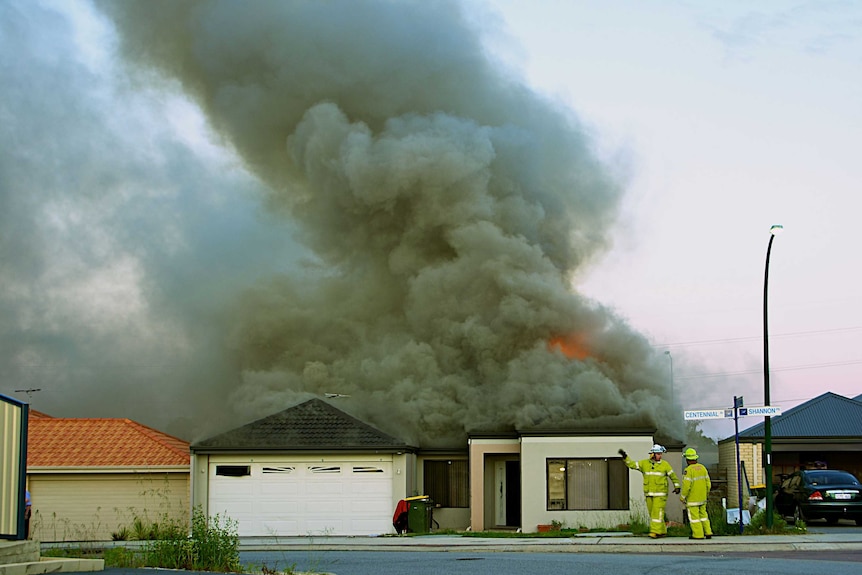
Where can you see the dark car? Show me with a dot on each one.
(827, 494)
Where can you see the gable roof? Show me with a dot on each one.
(83, 442)
(313, 425)
(827, 416)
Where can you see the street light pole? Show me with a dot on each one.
(767, 426)
(672, 398)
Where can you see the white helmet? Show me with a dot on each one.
(657, 449)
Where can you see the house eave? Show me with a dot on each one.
(795, 439)
(45, 469)
(295, 449)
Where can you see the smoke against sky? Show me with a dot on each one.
(121, 243)
(380, 210)
(736, 116)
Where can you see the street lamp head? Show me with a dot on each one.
(667, 353)
(776, 229)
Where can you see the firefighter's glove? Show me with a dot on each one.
(676, 491)
(622, 453)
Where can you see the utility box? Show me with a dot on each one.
(419, 511)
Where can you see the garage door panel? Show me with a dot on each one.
(370, 488)
(288, 498)
(279, 507)
(368, 506)
(280, 488)
(283, 527)
(325, 527)
(328, 488)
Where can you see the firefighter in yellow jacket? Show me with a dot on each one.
(695, 490)
(656, 473)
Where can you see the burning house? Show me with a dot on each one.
(447, 211)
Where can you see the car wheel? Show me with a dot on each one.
(798, 515)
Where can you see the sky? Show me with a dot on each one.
(162, 258)
(732, 116)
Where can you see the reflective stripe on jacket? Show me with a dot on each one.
(695, 485)
(655, 475)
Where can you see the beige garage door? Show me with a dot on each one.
(293, 498)
(91, 507)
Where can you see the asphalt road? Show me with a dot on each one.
(518, 563)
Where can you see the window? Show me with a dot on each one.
(583, 484)
(233, 470)
(278, 470)
(447, 482)
(324, 469)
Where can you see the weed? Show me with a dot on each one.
(121, 534)
(213, 545)
(757, 525)
(122, 558)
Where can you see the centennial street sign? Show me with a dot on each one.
(706, 414)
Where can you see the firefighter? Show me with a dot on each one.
(695, 489)
(656, 473)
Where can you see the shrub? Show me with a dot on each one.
(757, 525)
(213, 545)
(122, 558)
(121, 534)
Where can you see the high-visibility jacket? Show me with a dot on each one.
(695, 485)
(655, 475)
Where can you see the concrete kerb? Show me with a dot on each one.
(593, 544)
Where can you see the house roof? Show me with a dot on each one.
(82, 442)
(313, 425)
(827, 416)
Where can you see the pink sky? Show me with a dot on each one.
(729, 117)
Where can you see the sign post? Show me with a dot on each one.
(735, 412)
(737, 403)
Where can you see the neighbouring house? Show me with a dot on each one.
(313, 469)
(826, 430)
(89, 478)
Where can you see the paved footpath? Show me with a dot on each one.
(588, 543)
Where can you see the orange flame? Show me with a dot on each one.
(572, 346)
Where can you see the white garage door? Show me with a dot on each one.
(340, 498)
(94, 506)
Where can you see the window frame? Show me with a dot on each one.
(451, 486)
(619, 500)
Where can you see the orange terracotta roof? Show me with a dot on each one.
(79, 442)
(33, 414)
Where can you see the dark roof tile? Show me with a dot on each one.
(313, 425)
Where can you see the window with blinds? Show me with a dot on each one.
(447, 482)
(587, 484)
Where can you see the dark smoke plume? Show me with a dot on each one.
(447, 209)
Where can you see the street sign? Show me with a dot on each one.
(707, 414)
(761, 411)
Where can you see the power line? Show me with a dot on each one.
(774, 369)
(759, 338)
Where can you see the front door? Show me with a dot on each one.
(507, 494)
